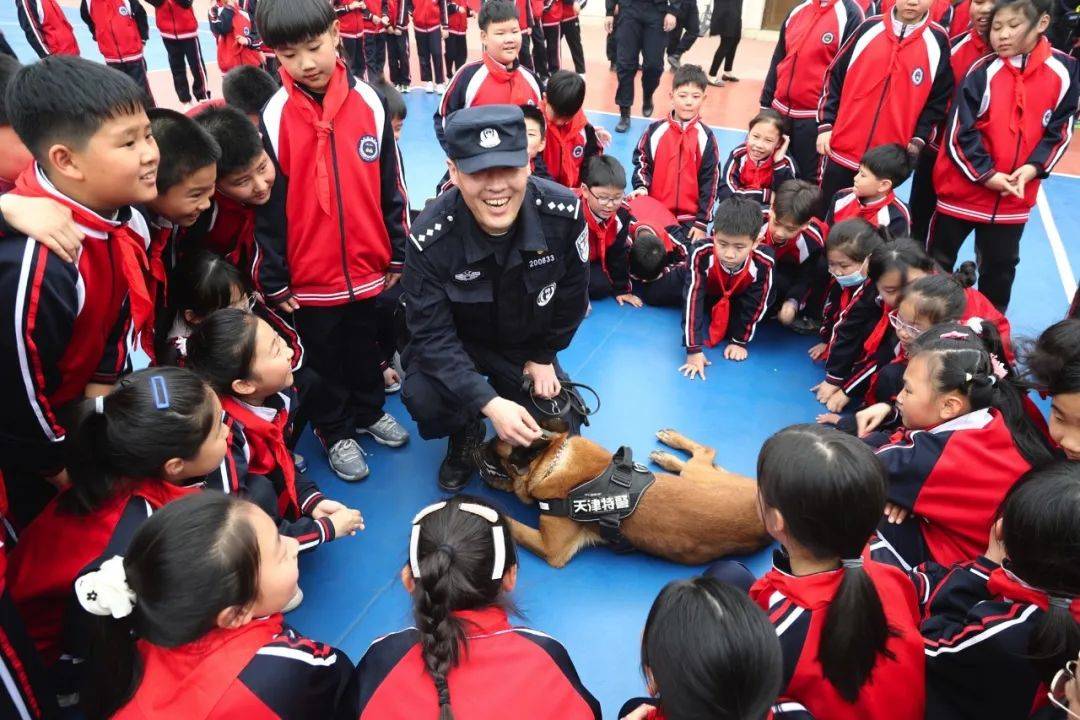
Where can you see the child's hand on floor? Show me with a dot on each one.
(896, 514)
(828, 419)
(346, 521)
(629, 298)
(325, 508)
(837, 402)
(46, 221)
(869, 419)
(817, 351)
(738, 353)
(694, 365)
(823, 391)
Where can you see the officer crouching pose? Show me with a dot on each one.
(495, 284)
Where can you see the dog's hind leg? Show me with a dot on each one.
(667, 461)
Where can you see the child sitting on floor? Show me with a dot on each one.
(570, 139)
(797, 239)
(608, 222)
(760, 165)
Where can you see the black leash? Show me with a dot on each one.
(567, 399)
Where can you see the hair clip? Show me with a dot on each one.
(968, 377)
(953, 335)
(498, 536)
(160, 392)
(851, 563)
(105, 591)
(976, 324)
(99, 405)
(1000, 371)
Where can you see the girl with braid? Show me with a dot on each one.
(463, 659)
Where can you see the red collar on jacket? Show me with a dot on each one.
(812, 592)
(601, 232)
(1009, 587)
(243, 237)
(483, 621)
(754, 174)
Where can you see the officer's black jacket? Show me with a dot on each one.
(457, 292)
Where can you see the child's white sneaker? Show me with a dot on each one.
(440, 88)
(429, 87)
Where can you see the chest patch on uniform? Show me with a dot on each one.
(467, 275)
(123, 10)
(827, 38)
(582, 245)
(1046, 117)
(544, 296)
(368, 148)
(917, 76)
(542, 261)
(579, 151)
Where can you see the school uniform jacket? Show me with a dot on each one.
(647, 211)
(567, 147)
(848, 318)
(175, 19)
(678, 163)
(609, 244)
(967, 48)
(486, 82)
(888, 211)
(62, 326)
(504, 669)
(941, 11)
(978, 622)
(865, 107)
(428, 15)
(262, 670)
(798, 607)
(801, 252)
(1007, 113)
(953, 477)
(747, 306)
(230, 230)
(744, 177)
(337, 217)
(352, 21)
(810, 37)
(229, 24)
(46, 27)
(119, 27)
(457, 18)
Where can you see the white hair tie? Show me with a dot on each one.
(99, 404)
(498, 536)
(105, 592)
(976, 324)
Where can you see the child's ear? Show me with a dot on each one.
(335, 33)
(407, 580)
(542, 145)
(951, 406)
(509, 580)
(172, 468)
(1043, 24)
(190, 318)
(64, 160)
(233, 617)
(884, 187)
(242, 387)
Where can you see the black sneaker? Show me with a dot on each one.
(673, 62)
(804, 325)
(459, 464)
(491, 468)
(647, 108)
(624, 121)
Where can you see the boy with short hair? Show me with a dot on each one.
(570, 138)
(677, 160)
(729, 286)
(65, 325)
(248, 89)
(607, 219)
(121, 30)
(658, 254)
(797, 239)
(873, 196)
(503, 80)
(332, 236)
(536, 132)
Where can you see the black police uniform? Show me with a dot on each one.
(640, 32)
(478, 308)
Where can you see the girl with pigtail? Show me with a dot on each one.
(463, 652)
(848, 626)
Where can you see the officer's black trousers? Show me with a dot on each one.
(687, 30)
(640, 32)
(997, 252)
(187, 52)
(438, 413)
(571, 32)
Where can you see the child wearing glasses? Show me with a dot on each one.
(608, 221)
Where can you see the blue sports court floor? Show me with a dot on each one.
(598, 604)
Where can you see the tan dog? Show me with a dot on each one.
(697, 515)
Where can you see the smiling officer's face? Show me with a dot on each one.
(493, 196)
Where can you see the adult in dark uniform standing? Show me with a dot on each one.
(643, 29)
(495, 285)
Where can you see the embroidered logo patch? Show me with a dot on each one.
(124, 10)
(467, 275)
(579, 151)
(827, 38)
(582, 245)
(1046, 117)
(917, 76)
(546, 293)
(489, 138)
(368, 148)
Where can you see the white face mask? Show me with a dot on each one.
(855, 278)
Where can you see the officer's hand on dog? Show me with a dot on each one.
(512, 423)
(545, 384)
(629, 299)
(823, 147)
(695, 365)
(669, 22)
(738, 353)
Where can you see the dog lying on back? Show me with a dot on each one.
(696, 515)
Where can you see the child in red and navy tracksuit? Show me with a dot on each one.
(197, 561)
(959, 411)
(270, 63)
(179, 30)
(397, 45)
(608, 221)
(570, 28)
(496, 79)
(968, 46)
(120, 29)
(729, 286)
(677, 160)
(376, 24)
(863, 107)
(569, 138)
(350, 15)
(551, 20)
(658, 252)
(1011, 122)
(810, 37)
(430, 25)
(456, 44)
(757, 167)
(797, 239)
(331, 237)
(848, 626)
(46, 27)
(237, 42)
(463, 543)
(998, 628)
(873, 196)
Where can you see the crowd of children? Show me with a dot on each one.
(152, 519)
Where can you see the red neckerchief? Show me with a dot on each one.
(813, 592)
(1035, 60)
(601, 232)
(131, 253)
(321, 117)
(754, 174)
(894, 74)
(562, 138)
(1005, 585)
(519, 89)
(873, 340)
(157, 281)
(189, 681)
(730, 284)
(688, 138)
(868, 211)
(785, 250)
(266, 443)
(244, 239)
(647, 211)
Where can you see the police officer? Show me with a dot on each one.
(643, 29)
(495, 285)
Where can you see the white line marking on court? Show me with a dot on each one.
(1061, 259)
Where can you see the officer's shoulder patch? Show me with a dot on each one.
(434, 221)
(551, 198)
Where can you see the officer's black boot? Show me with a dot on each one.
(458, 466)
(647, 107)
(624, 120)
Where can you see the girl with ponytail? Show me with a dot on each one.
(966, 438)
(848, 626)
(463, 652)
(999, 627)
(187, 624)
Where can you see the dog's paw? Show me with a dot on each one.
(665, 435)
(667, 461)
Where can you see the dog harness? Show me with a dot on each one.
(607, 499)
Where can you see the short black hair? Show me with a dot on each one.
(396, 109)
(531, 112)
(690, 74)
(66, 99)
(647, 255)
(185, 146)
(796, 200)
(248, 88)
(888, 162)
(604, 171)
(238, 140)
(494, 11)
(8, 67)
(565, 93)
(286, 22)
(738, 217)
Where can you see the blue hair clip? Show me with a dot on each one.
(160, 392)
